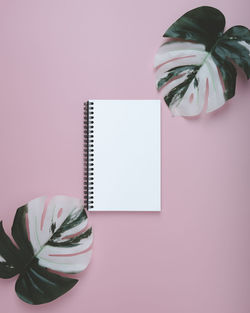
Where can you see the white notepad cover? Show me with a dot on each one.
(127, 155)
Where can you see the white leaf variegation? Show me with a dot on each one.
(51, 237)
(197, 66)
(58, 234)
(196, 71)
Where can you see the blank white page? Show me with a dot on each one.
(127, 155)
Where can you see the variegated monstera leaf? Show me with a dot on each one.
(197, 65)
(50, 236)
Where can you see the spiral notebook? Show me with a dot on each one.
(122, 155)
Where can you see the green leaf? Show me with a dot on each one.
(9, 260)
(48, 236)
(37, 285)
(201, 61)
(234, 45)
(203, 24)
(19, 232)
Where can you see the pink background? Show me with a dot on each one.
(194, 256)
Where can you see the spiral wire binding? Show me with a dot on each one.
(88, 155)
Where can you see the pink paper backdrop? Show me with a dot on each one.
(193, 257)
